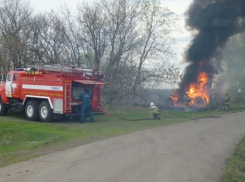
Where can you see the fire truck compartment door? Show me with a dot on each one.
(58, 106)
(8, 85)
(89, 82)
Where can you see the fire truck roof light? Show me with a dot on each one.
(19, 69)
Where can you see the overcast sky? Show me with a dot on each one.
(177, 6)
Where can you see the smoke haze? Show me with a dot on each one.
(215, 21)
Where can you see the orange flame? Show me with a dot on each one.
(197, 91)
(174, 98)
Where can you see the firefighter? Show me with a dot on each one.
(86, 107)
(187, 100)
(226, 101)
(154, 112)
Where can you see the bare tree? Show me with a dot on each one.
(121, 18)
(157, 23)
(15, 32)
(91, 20)
(39, 24)
(48, 39)
(129, 40)
(125, 36)
(70, 35)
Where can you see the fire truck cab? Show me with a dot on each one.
(49, 92)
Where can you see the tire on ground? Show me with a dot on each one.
(45, 112)
(31, 110)
(3, 108)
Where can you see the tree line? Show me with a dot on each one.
(232, 76)
(129, 40)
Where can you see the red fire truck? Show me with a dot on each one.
(49, 92)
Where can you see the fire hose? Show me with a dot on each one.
(211, 116)
(141, 119)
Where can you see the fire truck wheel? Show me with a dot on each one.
(3, 108)
(45, 112)
(31, 110)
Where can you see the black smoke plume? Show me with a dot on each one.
(214, 21)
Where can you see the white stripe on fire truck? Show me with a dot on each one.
(14, 85)
(42, 87)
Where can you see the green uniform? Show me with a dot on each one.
(154, 112)
(227, 101)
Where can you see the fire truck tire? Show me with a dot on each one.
(3, 108)
(31, 110)
(46, 112)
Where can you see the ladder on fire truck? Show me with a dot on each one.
(63, 69)
(67, 96)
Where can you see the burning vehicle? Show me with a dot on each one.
(198, 93)
(215, 22)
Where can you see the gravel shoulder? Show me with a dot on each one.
(190, 151)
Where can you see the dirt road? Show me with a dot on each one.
(190, 151)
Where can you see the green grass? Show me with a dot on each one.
(16, 135)
(235, 166)
(21, 139)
